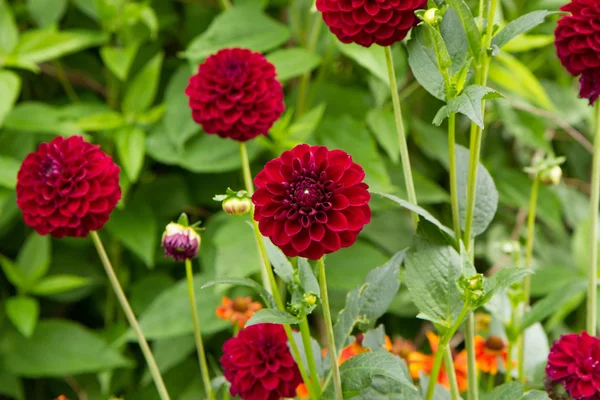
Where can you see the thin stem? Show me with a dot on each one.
(332, 351)
(509, 362)
(528, 258)
(491, 382)
(449, 366)
(310, 357)
(453, 185)
(471, 361)
(246, 169)
(592, 302)
(313, 36)
(197, 335)
(408, 179)
(112, 277)
(62, 77)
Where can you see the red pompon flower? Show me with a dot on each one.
(235, 94)
(578, 44)
(258, 364)
(68, 187)
(574, 361)
(365, 22)
(311, 201)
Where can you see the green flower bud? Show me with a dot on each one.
(310, 299)
(235, 203)
(551, 176)
(431, 17)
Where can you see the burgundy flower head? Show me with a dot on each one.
(180, 242)
(235, 94)
(574, 361)
(68, 187)
(258, 364)
(578, 44)
(365, 22)
(311, 201)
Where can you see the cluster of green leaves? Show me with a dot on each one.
(116, 70)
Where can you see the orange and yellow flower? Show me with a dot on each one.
(403, 347)
(487, 353)
(237, 311)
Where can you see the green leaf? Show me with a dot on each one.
(486, 195)
(246, 27)
(435, 41)
(359, 372)
(137, 229)
(39, 118)
(374, 339)
(10, 384)
(131, 147)
(23, 312)
(237, 254)
(281, 265)
(10, 86)
(34, 257)
(543, 308)
(9, 167)
(465, 15)
(306, 277)
(119, 59)
(521, 25)
(170, 314)
(422, 61)
(141, 92)
(316, 351)
(178, 122)
(365, 304)
(47, 12)
(372, 58)
(272, 316)
(304, 127)
(468, 103)
(503, 279)
(420, 211)
(13, 273)
(100, 122)
(383, 125)
(432, 268)
(266, 296)
(9, 33)
(169, 353)
(292, 62)
(535, 395)
(37, 46)
(512, 390)
(58, 283)
(59, 348)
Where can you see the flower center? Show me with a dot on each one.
(239, 305)
(494, 343)
(233, 69)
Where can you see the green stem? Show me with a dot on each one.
(332, 351)
(313, 36)
(491, 382)
(441, 350)
(112, 277)
(509, 362)
(528, 258)
(449, 365)
(592, 302)
(246, 169)
(310, 357)
(471, 361)
(408, 178)
(64, 81)
(453, 185)
(197, 334)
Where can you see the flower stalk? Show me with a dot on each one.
(112, 277)
(312, 366)
(197, 334)
(592, 302)
(332, 351)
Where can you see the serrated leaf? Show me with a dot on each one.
(293, 62)
(468, 103)
(358, 373)
(10, 86)
(486, 195)
(422, 61)
(141, 92)
(131, 147)
(57, 284)
(374, 339)
(281, 265)
(306, 277)
(272, 316)
(521, 25)
(465, 15)
(365, 304)
(503, 279)
(511, 390)
(266, 296)
(435, 41)
(23, 312)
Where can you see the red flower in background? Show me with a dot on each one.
(365, 22)
(574, 361)
(578, 44)
(235, 94)
(311, 201)
(68, 187)
(258, 364)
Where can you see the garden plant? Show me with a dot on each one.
(330, 199)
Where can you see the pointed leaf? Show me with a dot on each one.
(34, 257)
(58, 283)
(266, 296)
(281, 265)
(306, 277)
(465, 15)
(272, 316)
(293, 62)
(521, 25)
(23, 312)
(119, 59)
(141, 92)
(10, 86)
(468, 103)
(512, 390)
(131, 146)
(9, 33)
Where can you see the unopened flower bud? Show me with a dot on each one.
(475, 282)
(180, 242)
(551, 176)
(432, 17)
(310, 299)
(237, 206)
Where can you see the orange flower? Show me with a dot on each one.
(403, 347)
(418, 362)
(237, 311)
(62, 397)
(302, 391)
(355, 348)
(487, 353)
(482, 322)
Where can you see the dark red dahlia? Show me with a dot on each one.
(258, 364)
(578, 44)
(574, 361)
(235, 94)
(365, 22)
(311, 201)
(68, 187)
